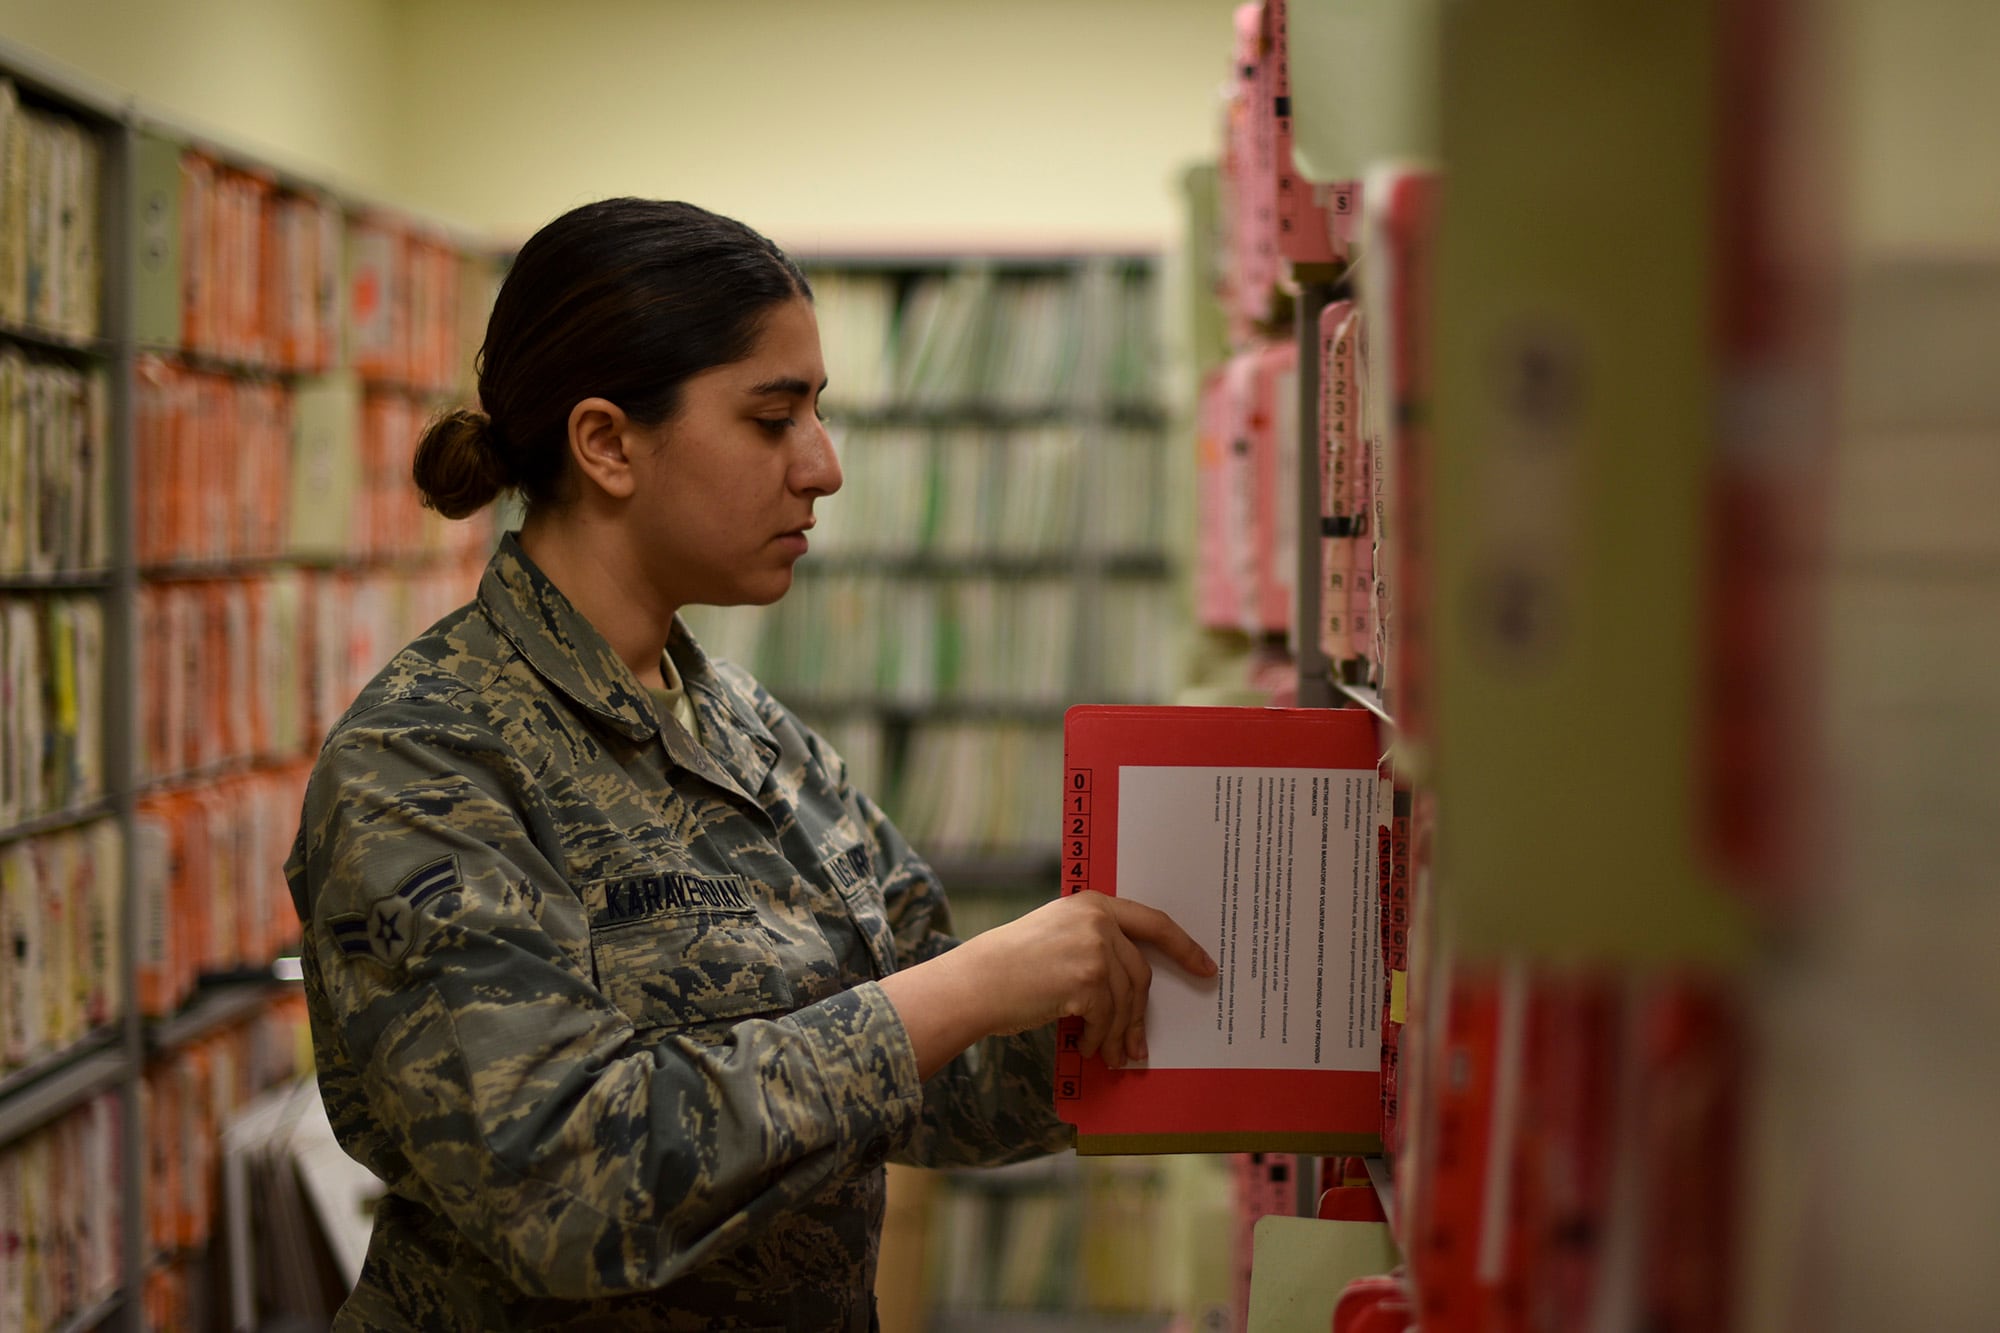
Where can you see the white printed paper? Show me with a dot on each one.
(1272, 870)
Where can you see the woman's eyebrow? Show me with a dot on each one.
(787, 384)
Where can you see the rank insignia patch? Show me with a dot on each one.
(384, 931)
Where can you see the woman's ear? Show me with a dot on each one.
(603, 442)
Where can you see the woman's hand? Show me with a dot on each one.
(1077, 957)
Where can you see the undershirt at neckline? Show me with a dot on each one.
(673, 701)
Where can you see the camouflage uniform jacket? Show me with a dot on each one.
(600, 1004)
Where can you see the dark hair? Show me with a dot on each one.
(624, 299)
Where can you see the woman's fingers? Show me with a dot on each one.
(1140, 973)
(1078, 957)
(1096, 1014)
(1129, 980)
(1118, 982)
(1149, 925)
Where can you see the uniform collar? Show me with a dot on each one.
(566, 650)
(732, 730)
(563, 647)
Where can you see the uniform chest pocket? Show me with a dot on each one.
(854, 877)
(684, 951)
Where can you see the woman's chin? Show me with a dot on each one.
(761, 591)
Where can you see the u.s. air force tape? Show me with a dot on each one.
(850, 867)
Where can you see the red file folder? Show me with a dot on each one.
(1271, 788)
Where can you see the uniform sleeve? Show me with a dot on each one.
(504, 1090)
(996, 1102)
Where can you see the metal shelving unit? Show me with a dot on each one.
(114, 1057)
(50, 340)
(83, 581)
(55, 822)
(215, 1006)
(108, 1059)
(1362, 696)
(34, 1096)
(95, 1316)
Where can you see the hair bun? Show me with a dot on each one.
(458, 468)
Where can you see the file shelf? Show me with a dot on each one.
(64, 345)
(88, 580)
(96, 1316)
(217, 1005)
(1362, 696)
(112, 310)
(39, 1093)
(1472, 445)
(1048, 1243)
(55, 821)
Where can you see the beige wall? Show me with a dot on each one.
(301, 83)
(835, 123)
(824, 122)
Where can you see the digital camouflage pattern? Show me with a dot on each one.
(599, 1003)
